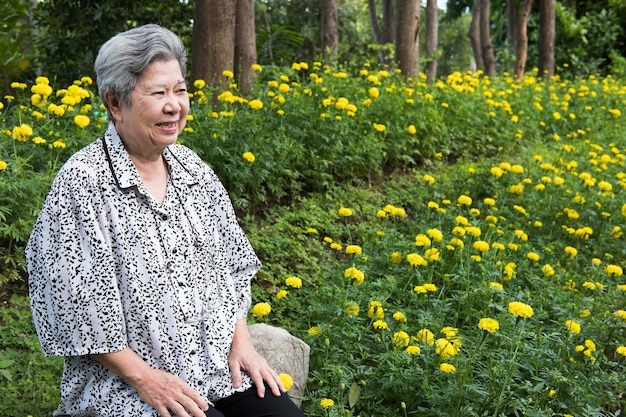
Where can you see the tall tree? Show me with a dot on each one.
(330, 30)
(511, 24)
(432, 42)
(385, 35)
(522, 38)
(223, 39)
(547, 19)
(474, 34)
(407, 37)
(488, 55)
(245, 45)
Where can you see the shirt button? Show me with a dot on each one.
(164, 217)
(200, 382)
(193, 352)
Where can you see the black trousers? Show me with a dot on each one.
(248, 404)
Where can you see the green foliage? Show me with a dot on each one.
(29, 383)
(15, 40)
(75, 30)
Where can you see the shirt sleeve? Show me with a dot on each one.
(243, 261)
(74, 293)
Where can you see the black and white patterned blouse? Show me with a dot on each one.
(109, 268)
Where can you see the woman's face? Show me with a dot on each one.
(158, 109)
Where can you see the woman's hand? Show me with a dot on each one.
(244, 357)
(163, 391)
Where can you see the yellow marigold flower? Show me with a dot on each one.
(422, 240)
(520, 309)
(255, 104)
(376, 310)
(496, 286)
(496, 171)
(228, 74)
(614, 270)
(571, 251)
(353, 249)
(261, 309)
(345, 212)
(399, 316)
(39, 140)
(449, 331)
(425, 337)
(248, 156)
(256, 68)
(432, 254)
(473, 230)
(447, 368)
(373, 92)
(465, 200)
(57, 144)
(81, 121)
(415, 350)
(287, 380)
(22, 133)
(533, 256)
(420, 289)
(379, 127)
(336, 246)
(3, 165)
(573, 326)
(615, 112)
(488, 325)
(43, 90)
(293, 282)
(284, 88)
(326, 403)
(415, 259)
(400, 339)
(352, 308)
(356, 275)
(430, 287)
(481, 246)
(429, 179)
(199, 84)
(497, 246)
(548, 270)
(621, 314)
(396, 258)
(411, 130)
(56, 110)
(380, 325)
(445, 348)
(435, 234)
(281, 294)
(315, 331)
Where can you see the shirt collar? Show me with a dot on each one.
(124, 170)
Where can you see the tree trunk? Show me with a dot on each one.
(213, 41)
(511, 24)
(431, 44)
(474, 35)
(386, 34)
(547, 19)
(330, 30)
(522, 39)
(489, 59)
(389, 26)
(407, 37)
(245, 45)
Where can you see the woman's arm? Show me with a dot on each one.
(244, 357)
(163, 391)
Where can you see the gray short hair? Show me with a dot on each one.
(124, 58)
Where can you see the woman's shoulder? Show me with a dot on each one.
(87, 164)
(190, 159)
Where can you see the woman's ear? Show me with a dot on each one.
(113, 102)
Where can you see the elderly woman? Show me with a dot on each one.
(139, 272)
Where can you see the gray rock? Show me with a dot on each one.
(285, 354)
